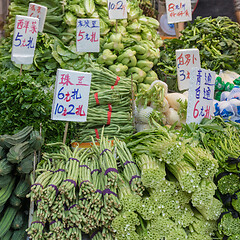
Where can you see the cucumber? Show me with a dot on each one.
(36, 140)
(14, 200)
(7, 220)
(22, 188)
(17, 221)
(5, 180)
(5, 167)
(26, 165)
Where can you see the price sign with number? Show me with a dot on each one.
(24, 39)
(39, 12)
(200, 95)
(186, 59)
(117, 9)
(88, 35)
(178, 11)
(71, 96)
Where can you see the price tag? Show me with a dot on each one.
(117, 9)
(24, 39)
(88, 35)
(186, 59)
(39, 12)
(201, 94)
(178, 11)
(71, 96)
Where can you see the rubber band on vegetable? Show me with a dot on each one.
(127, 162)
(96, 170)
(109, 118)
(82, 183)
(38, 222)
(52, 222)
(105, 151)
(38, 201)
(71, 181)
(110, 107)
(94, 234)
(98, 191)
(82, 199)
(74, 159)
(133, 177)
(72, 207)
(97, 134)
(37, 184)
(86, 166)
(110, 170)
(96, 98)
(55, 187)
(60, 170)
(116, 83)
(108, 191)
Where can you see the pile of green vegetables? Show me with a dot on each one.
(218, 42)
(83, 190)
(17, 154)
(109, 107)
(222, 139)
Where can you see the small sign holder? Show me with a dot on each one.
(178, 11)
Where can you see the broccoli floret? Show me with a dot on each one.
(229, 184)
(177, 233)
(229, 225)
(197, 236)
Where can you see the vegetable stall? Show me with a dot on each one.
(135, 169)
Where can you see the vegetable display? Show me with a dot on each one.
(16, 162)
(217, 40)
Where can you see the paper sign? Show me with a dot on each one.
(24, 39)
(71, 96)
(39, 12)
(200, 95)
(88, 35)
(186, 59)
(178, 11)
(117, 9)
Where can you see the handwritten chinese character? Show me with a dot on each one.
(33, 28)
(87, 36)
(80, 79)
(202, 112)
(67, 97)
(180, 60)
(76, 95)
(207, 111)
(94, 24)
(199, 76)
(26, 23)
(24, 43)
(30, 43)
(20, 24)
(187, 56)
(207, 93)
(64, 112)
(65, 80)
(32, 8)
(93, 37)
(198, 91)
(39, 9)
(188, 75)
(80, 111)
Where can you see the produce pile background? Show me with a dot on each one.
(121, 189)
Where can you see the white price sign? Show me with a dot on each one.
(200, 95)
(39, 12)
(71, 95)
(88, 35)
(24, 39)
(178, 11)
(117, 9)
(186, 59)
